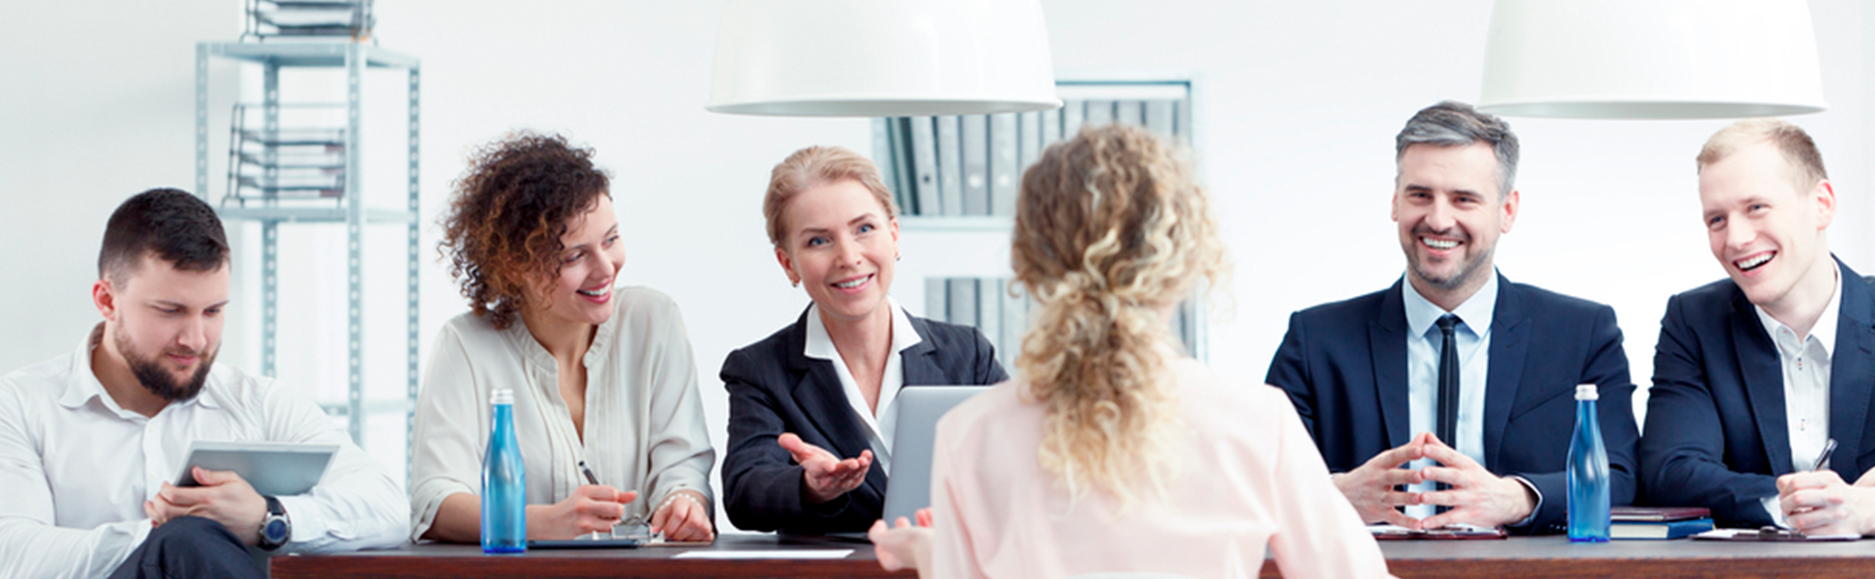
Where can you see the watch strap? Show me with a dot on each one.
(276, 511)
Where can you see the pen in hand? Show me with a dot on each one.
(594, 480)
(1822, 460)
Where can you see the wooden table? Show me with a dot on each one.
(1518, 557)
(1555, 556)
(436, 561)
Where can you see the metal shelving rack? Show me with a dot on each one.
(349, 208)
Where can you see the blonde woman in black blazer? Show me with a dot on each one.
(810, 407)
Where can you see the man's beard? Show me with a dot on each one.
(1469, 266)
(1468, 270)
(150, 373)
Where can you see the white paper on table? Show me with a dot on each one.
(770, 554)
(1733, 535)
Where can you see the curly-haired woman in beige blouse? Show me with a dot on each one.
(601, 373)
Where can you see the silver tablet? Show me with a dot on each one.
(273, 468)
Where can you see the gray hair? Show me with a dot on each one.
(1456, 124)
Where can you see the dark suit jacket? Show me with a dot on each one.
(775, 388)
(1344, 366)
(1717, 435)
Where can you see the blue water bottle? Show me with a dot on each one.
(504, 482)
(1588, 473)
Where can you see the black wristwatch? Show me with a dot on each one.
(275, 528)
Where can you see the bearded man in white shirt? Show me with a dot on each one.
(1754, 374)
(90, 439)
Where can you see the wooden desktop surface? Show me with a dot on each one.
(1556, 557)
(437, 561)
(1517, 557)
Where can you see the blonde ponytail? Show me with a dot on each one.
(1111, 230)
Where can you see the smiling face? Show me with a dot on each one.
(165, 324)
(582, 291)
(1766, 231)
(1450, 215)
(839, 243)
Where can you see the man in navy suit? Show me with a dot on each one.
(1754, 374)
(1366, 373)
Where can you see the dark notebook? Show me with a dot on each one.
(1656, 514)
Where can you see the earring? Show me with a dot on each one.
(899, 257)
(797, 284)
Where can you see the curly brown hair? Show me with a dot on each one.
(510, 208)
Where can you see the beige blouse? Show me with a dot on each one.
(644, 420)
(1246, 478)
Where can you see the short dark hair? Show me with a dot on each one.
(178, 227)
(1456, 124)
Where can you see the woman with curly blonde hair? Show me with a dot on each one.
(602, 374)
(1114, 450)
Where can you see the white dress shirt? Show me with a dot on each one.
(880, 425)
(1806, 386)
(75, 468)
(1472, 337)
(644, 428)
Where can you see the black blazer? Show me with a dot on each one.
(1717, 435)
(1344, 366)
(775, 388)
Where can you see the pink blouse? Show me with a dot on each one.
(1247, 477)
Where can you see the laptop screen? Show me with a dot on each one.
(919, 408)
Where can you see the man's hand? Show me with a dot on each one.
(1820, 503)
(1370, 488)
(222, 497)
(590, 509)
(824, 475)
(1477, 497)
(682, 518)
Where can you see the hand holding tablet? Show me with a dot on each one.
(278, 469)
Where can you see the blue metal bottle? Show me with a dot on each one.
(1588, 473)
(504, 482)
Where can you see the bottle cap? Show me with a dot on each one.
(1586, 392)
(501, 396)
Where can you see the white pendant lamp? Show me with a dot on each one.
(872, 58)
(1651, 59)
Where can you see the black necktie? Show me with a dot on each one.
(1448, 386)
(1448, 381)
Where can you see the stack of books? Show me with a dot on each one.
(1658, 522)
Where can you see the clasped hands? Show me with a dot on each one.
(1820, 503)
(1476, 496)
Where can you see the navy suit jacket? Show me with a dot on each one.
(1717, 435)
(775, 388)
(1344, 366)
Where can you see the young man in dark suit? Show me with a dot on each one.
(1455, 348)
(1754, 374)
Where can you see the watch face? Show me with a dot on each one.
(275, 531)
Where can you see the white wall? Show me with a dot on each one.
(1299, 103)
